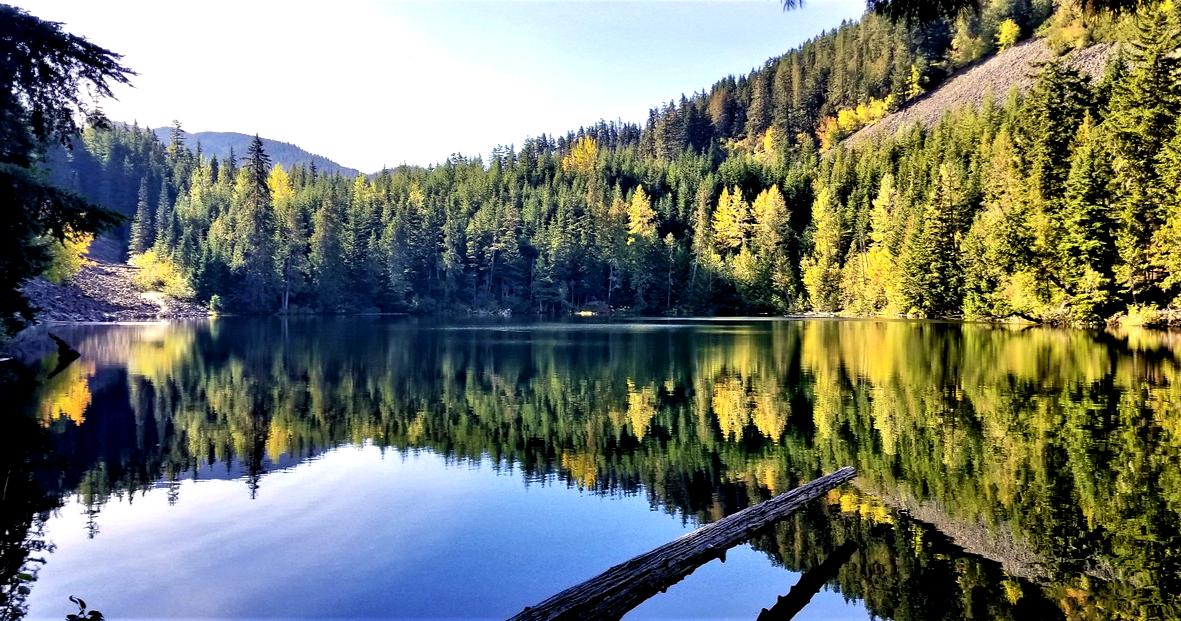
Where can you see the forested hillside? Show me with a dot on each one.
(1060, 205)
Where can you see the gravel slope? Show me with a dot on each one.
(104, 292)
(1012, 68)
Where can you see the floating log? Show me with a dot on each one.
(623, 587)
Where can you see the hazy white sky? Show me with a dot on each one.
(371, 84)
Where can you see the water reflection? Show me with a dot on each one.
(1005, 473)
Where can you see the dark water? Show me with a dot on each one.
(397, 468)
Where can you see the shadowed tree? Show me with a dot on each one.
(42, 77)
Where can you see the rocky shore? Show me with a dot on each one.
(104, 292)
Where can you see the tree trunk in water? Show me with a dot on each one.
(614, 592)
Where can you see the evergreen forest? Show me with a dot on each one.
(1061, 204)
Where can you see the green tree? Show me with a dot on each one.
(1088, 246)
(165, 221)
(254, 219)
(42, 79)
(142, 234)
(1143, 110)
(939, 277)
(327, 255)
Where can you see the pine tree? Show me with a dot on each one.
(1051, 115)
(1167, 245)
(254, 220)
(327, 255)
(758, 114)
(1088, 246)
(940, 279)
(822, 269)
(142, 233)
(731, 220)
(1143, 110)
(165, 220)
(176, 143)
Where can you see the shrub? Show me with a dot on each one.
(67, 258)
(158, 272)
(1143, 315)
(1007, 34)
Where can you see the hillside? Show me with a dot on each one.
(218, 144)
(1013, 68)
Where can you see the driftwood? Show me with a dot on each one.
(65, 354)
(623, 587)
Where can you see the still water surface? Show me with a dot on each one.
(399, 468)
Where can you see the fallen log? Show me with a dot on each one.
(623, 587)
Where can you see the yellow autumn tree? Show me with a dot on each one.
(67, 257)
(731, 220)
(641, 218)
(1007, 34)
(822, 268)
(67, 395)
(583, 155)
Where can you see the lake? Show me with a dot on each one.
(394, 468)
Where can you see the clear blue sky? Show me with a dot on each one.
(381, 83)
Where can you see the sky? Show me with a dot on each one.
(376, 84)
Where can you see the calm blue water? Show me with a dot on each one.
(376, 468)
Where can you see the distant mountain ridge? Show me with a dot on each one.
(218, 144)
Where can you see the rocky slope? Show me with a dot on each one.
(104, 292)
(1013, 68)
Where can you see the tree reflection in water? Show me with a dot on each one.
(1003, 473)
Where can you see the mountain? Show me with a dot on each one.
(218, 144)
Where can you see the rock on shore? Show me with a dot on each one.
(104, 292)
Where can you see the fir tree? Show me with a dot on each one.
(142, 233)
(1143, 110)
(165, 221)
(255, 228)
(1089, 240)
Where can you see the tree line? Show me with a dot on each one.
(1055, 206)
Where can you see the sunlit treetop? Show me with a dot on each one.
(929, 10)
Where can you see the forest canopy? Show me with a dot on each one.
(1056, 205)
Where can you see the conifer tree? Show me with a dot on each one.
(141, 227)
(1143, 110)
(165, 220)
(731, 220)
(822, 269)
(327, 255)
(290, 235)
(758, 114)
(254, 222)
(769, 245)
(1167, 244)
(940, 277)
(1089, 229)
